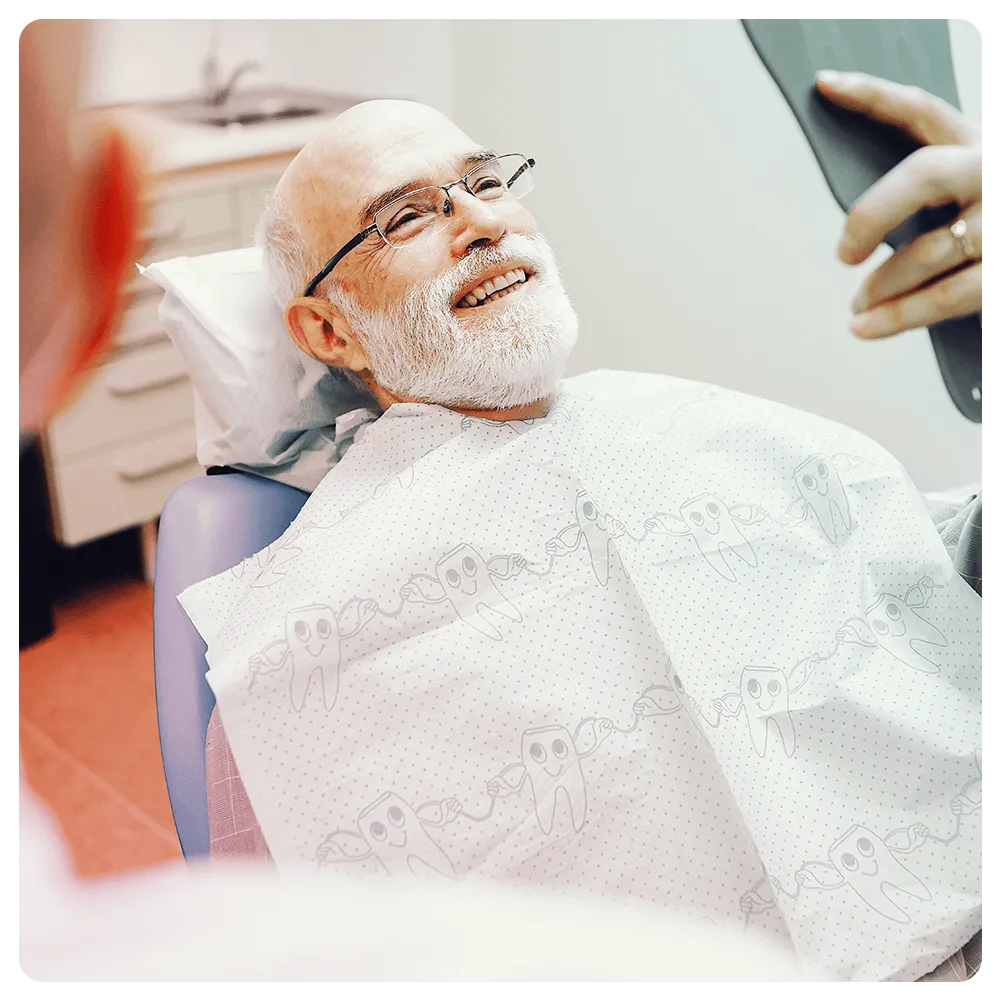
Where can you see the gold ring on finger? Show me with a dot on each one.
(960, 230)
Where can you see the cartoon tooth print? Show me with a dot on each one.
(716, 534)
(394, 833)
(314, 649)
(594, 531)
(764, 691)
(865, 863)
(467, 584)
(312, 646)
(764, 695)
(399, 841)
(550, 764)
(820, 486)
(897, 627)
(715, 530)
(868, 864)
(893, 624)
(553, 766)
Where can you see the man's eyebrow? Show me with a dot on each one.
(386, 197)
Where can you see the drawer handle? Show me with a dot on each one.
(132, 387)
(160, 234)
(144, 335)
(133, 473)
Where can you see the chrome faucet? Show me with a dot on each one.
(216, 93)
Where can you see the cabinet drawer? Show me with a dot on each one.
(141, 322)
(120, 487)
(144, 390)
(198, 216)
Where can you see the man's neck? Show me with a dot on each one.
(539, 408)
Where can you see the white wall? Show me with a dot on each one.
(732, 276)
(148, 60)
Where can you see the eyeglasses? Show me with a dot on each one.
(412, 216)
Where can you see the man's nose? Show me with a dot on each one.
(474, 222)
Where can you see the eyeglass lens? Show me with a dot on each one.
(424, 211)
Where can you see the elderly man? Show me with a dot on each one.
(404, 255)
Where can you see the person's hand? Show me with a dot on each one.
(939, 275)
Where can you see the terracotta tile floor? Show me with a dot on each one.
(89, 741)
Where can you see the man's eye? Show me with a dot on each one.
(402, 219)
(488, 184)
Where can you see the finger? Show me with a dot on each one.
(932, 176)
(959, 294)
(928, 257)
(926, 117)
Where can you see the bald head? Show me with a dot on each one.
(371, 148)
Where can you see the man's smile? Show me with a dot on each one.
(499, 286)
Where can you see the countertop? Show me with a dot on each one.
(172, 148)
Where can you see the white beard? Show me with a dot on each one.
(513, 355)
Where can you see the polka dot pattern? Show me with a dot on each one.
(627, 651)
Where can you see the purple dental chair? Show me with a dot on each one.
(208, 524)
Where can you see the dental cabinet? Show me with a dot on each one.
(128, 439)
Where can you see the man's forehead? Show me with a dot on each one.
(371, 149)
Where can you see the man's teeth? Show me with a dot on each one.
(495, 288)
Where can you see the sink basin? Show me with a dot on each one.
(252, 107)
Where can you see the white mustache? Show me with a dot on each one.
(512, 250)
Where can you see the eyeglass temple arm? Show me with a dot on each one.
(520, 170)
(332, 262)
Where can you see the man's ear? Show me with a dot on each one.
(319, 329)
(105, 224)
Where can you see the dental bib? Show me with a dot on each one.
(670, 645)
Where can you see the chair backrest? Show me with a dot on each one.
(208, 524)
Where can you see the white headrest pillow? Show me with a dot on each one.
(261, 404)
